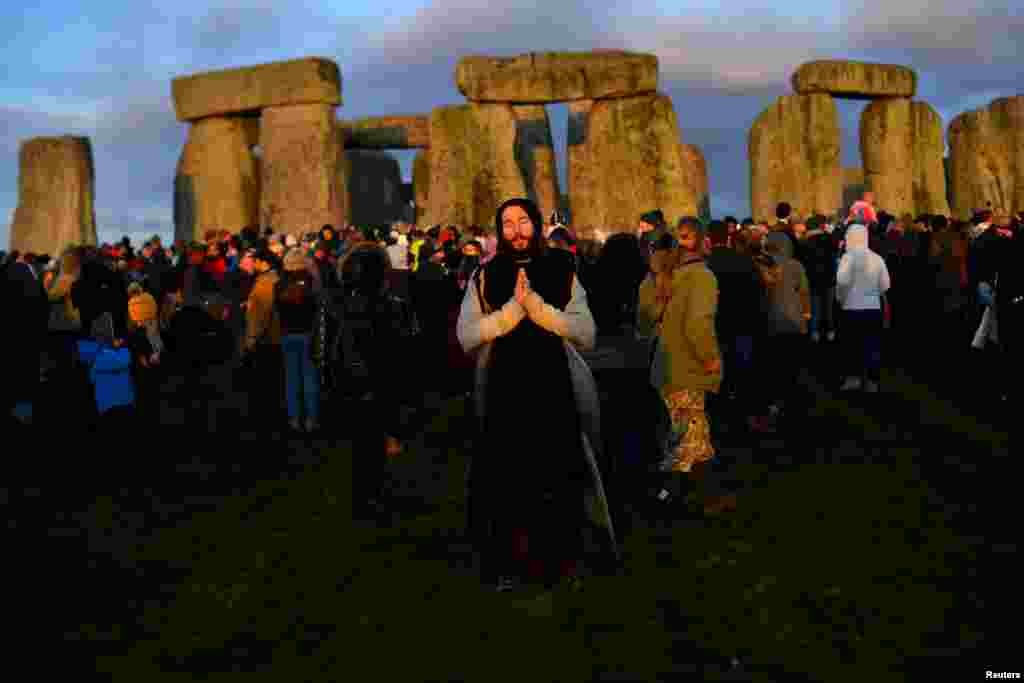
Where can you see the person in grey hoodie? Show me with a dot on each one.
(788, 303)
(862, 281)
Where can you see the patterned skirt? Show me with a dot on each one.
(689, 438)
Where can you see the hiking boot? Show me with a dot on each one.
(312, 425)
(831, 336)
(871, 387)
(815, 337)
(295, 424)
(851, 384)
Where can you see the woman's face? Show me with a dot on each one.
(328, 235)
(516, 227)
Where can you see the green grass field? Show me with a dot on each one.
(833, 572)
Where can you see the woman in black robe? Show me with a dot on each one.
(529, 477)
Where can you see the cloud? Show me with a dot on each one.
(104, 70)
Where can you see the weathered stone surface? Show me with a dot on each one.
(473, 167)
(854, 80)
(421, 183)
(929, 147)
(375, 188)
(535, 154)
(56, 182)
(853, 188)
(634, 162)
(794, 157)
(579, 176)
(546, 77)
(902, 148)
(387, 132)
(887, 152)
(311, 80)
(986, 149)
(217, 185)
(304, 170)
(699, 172)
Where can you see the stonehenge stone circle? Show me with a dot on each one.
(579, 177)
(888, 155)
(698, 167)
(387, 132)
(535, 155)
(854, 80)
(472, 163)
(548, 77)
(311, 80)
(217, 184)
(853, 187)
(634, 161)
(421, 183)
(303, 182)
(794, 157)
(902, 149)
(374, 187)
(930, 190)
(56, 183)
(986, 150)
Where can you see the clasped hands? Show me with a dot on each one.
(526, 297)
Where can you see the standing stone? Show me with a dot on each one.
(549, 77)
(635, 162)
(886, 134)
(535, 155)
(304, 173)
(794, 157)
(375, 187)
(56, 181)
(580, 175)
(699, 169)
(854, 80)
(217, 185)
(986, 149)
(421, 183)
(929, 180)
(473, 167)
(853, 188)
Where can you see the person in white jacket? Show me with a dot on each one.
(861, 284)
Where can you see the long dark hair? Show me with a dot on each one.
(364, 269)
(537, 244)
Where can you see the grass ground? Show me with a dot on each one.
(846, 561)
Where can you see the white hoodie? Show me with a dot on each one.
(863, 277)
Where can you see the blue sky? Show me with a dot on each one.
(104, 69)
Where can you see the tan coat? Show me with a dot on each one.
(60, 292)
(263, 324)
(686, 337)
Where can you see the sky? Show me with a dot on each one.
(104, 69)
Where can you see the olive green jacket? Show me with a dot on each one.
(686, 333)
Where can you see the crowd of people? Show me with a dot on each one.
(505, 316)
